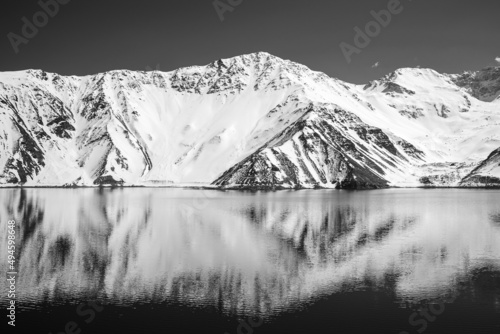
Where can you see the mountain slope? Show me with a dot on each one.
(327, 147)
(250, 121)
(487, 174)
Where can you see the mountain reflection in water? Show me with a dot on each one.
(248, 252)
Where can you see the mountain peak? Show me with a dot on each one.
(409, 72)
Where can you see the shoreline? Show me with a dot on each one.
(257, 188)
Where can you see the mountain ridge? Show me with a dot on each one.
(243, 122)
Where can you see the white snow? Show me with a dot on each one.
(193, 124)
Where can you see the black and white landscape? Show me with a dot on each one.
(250, 166)
(254, 121)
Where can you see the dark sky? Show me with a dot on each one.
(91, 36)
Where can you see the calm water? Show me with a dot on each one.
(192, 261)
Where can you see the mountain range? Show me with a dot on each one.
(254, 121)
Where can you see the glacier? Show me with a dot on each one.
(254, 121)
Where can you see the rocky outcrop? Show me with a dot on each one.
(327, 147)
(487, 174)
(483, 85)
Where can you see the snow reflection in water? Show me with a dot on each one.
(248, 252)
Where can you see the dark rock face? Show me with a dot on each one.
(415, 114)
(318, 150)
(108, 180)
(27, 161)
(410, 150)
(484, 85)
(392, 87)
(483, 181)
(480, 177)
(62, 127)
(442, 111)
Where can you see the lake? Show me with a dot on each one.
(151, 260)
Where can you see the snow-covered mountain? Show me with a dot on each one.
(250, 121)
(487, 173)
